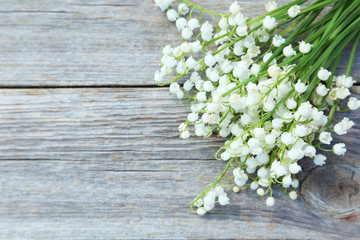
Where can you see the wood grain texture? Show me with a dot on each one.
(334, 189)
(108, 163)
(93, 43)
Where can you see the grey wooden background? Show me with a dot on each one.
(89, 147)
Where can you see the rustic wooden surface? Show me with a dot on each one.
(91, 43)
(89, 147)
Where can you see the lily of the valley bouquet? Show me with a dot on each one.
(265, 84)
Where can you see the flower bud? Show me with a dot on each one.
(304, 47)
(294, 11)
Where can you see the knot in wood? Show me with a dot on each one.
(333, 189)
(347, 186)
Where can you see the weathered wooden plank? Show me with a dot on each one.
(334, 190)
(108, 163)
(73, 43)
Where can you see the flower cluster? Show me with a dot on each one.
(245, 81)
(208, 202)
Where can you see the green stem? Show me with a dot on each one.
(214, 183)
(352, 55)
(332, 112)
(203, 9)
